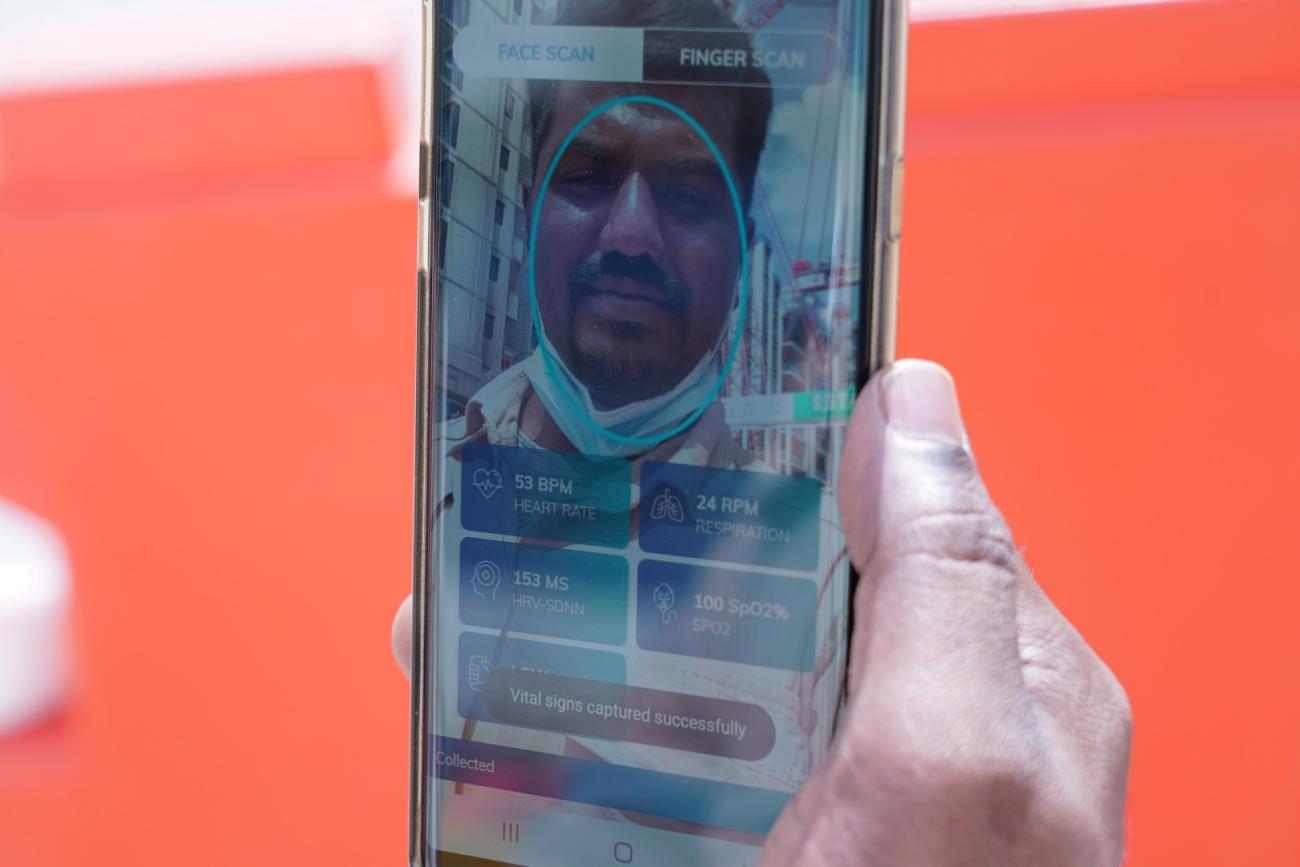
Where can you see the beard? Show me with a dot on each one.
(614, 369)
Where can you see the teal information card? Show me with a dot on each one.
(539, 494)
(544, 591)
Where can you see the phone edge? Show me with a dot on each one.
(885, 229)
(418, 831)
(880, 312)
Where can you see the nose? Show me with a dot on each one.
(632, 227)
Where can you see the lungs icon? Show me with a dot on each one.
(667, 505)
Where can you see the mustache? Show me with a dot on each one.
(643, 269)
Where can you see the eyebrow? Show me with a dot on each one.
(691, 166)
(596, 151)
(593, 149)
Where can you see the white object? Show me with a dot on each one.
(34, 592)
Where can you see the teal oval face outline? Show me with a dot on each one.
(743, 307)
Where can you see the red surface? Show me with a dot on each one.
(182, 132)
(205, 381)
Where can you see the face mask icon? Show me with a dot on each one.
(486, 579)
(665, 600)
(667, 505)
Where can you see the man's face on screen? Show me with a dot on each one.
(638, 247)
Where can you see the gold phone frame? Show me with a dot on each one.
(884, 206)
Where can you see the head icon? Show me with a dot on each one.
(485, 579)
(665, 600)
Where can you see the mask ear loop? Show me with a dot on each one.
(733, 322)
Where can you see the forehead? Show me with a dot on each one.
(713, 108)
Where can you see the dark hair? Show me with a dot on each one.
(752, 98)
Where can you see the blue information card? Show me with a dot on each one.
(754, 618)
(544, 591)
(540, 494)
(745, 517)
(481, 653)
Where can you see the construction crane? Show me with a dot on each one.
(808, 334)
(759, 14)
(757, 18)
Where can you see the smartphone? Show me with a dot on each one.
(658, 247)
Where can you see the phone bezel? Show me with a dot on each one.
(882, 214)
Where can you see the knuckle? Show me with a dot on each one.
(945, 510)
(960, 530)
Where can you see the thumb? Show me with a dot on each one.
(938, 567)
(934, 680)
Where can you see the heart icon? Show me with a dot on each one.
(487, 481)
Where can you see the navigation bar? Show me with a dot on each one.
(629, 54)
(605, 784)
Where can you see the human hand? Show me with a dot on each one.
(980, 728)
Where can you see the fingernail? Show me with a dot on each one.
(920, 400)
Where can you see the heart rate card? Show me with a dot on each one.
(557, 496)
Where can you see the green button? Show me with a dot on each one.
(823, 404)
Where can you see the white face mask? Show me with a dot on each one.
(629, 430)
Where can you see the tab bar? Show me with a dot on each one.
(630, 54)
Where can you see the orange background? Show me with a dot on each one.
(206, 350)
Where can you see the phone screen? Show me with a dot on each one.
(647, 340)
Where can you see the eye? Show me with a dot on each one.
(685, 202)
(586, 184)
